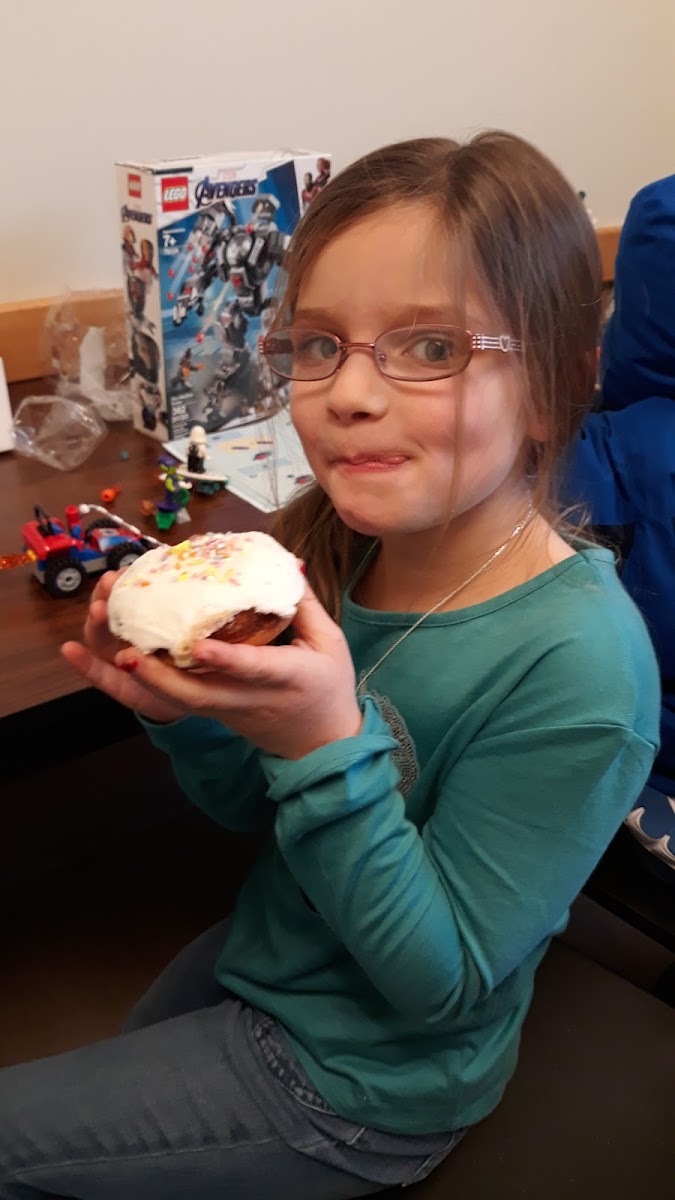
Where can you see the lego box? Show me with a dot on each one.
(202, 241)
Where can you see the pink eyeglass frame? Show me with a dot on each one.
(479, 341)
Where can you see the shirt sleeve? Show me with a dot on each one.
(437, 919)
(218, 770)
(620, 465)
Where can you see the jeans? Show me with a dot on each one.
(200, 1098)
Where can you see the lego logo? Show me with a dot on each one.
(134, 186)
(175, 194)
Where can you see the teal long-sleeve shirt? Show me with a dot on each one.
(415, 873)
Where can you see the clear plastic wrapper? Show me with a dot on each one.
(90, 361)
(60, 431)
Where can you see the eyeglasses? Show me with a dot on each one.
(414, 355)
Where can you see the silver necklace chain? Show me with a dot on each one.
(451, 595)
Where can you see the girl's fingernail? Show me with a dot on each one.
(303, 568)
(130, 665)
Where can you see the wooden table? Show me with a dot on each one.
(32, 623)
(78, 776)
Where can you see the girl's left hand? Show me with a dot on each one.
(288, 700)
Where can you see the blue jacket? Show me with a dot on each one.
(622, 465)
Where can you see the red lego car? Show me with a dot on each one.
(64, 552)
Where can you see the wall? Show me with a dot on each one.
(84, 82)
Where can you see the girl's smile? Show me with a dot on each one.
(370, 462)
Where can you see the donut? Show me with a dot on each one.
(239, 587)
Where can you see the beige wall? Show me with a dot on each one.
(83, 82)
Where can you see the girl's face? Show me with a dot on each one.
(396, 457)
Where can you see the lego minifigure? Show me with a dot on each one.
(197, 454)
(173, 506)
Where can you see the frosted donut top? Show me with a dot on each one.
(165, 594)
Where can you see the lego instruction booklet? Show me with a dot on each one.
(262, 461)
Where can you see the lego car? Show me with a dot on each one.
(65, 551)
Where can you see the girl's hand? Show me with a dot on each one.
(288, 700)
(95, 661)
(97, 636)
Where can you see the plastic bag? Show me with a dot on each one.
(90, 361)
(60, 431)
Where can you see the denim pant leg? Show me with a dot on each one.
(186, 984)
(203, 1098)
(167, 1112)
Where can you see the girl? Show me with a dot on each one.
(465, 715)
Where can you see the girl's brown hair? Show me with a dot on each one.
(528, 238)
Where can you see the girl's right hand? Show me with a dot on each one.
(95, 661)
(97, 636)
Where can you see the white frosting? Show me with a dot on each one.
(172, 595)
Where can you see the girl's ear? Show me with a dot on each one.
(535, 428)
(535, 422)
